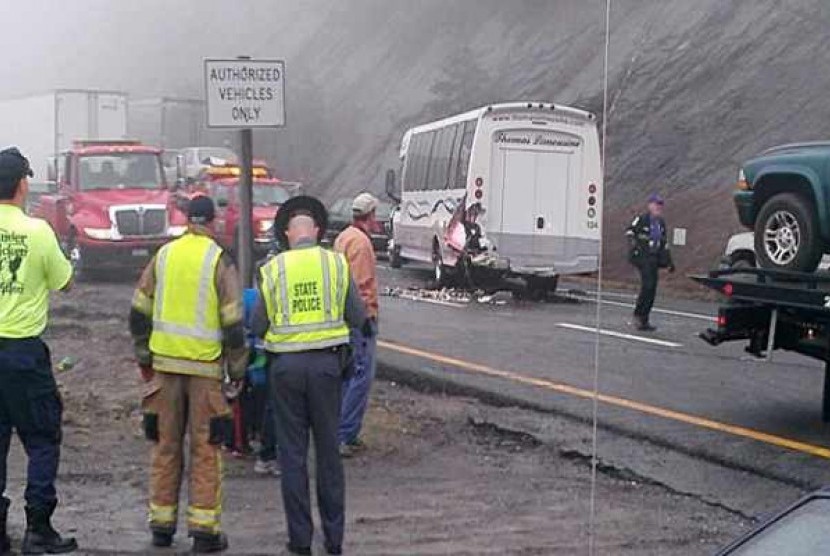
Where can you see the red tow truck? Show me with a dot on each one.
(112, 208)
(221, 182)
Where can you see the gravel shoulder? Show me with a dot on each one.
(439, 475)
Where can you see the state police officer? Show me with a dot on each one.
(31, 264)
(307, 304)
(648, 252)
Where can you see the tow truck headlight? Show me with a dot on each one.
(176, 231)
(265, 225)
(99, 233)
(743, 185)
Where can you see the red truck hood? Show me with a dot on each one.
(265, 213)
(106, 198)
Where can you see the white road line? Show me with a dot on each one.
(684, 314)
(614, 334)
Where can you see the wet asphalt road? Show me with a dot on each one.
(679, 373)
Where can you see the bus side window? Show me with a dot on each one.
(416, 162)
(466, 148)
(438, 159)
(428, 153)
(452, 168)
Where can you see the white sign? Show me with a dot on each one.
(679, 237)
(245, 93)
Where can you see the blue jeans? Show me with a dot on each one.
(356, 388)
(30, 404)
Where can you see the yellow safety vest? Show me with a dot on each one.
(187, 330)
(305, 298)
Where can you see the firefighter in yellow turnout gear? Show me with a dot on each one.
(186, 321)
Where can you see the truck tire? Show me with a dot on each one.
(742, 260)
(787, 235)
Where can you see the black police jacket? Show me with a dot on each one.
(641, 245)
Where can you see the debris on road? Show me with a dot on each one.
(449, 295)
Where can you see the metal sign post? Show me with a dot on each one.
(243, 93)
(246, 184)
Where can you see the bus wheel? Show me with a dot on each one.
(439, 271)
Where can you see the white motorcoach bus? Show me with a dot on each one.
(514, 186)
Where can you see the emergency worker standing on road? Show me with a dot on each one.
(186, 321)
(33, 265)
(648, 252)
(355, 244)
(307, 304)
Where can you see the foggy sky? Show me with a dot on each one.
(144, 47)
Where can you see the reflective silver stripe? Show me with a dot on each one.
(283, 347)
(283, 280)
(341, 279)
(188, 331)
(324, 261)
(205, 280)
(312, 327)
(270, 290)
(161, 269)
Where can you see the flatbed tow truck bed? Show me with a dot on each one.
(773, 309)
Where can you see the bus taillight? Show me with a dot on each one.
(592, 189)
(479, 181)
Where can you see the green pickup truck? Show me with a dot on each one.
(784, 196)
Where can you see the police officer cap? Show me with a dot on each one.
(200, 210)
(13, 165)
(294, 206)
(655, 198)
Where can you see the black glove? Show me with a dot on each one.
(367, 329)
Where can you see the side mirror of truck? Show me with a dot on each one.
(391, 186)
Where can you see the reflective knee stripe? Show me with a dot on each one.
(162, 515)
(199, 330)
(324, 262)
(204, 519)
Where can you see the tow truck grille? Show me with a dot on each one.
(137, 222)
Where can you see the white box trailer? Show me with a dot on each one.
(43, 125)
(170, 123)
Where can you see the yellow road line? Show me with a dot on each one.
(616, 401)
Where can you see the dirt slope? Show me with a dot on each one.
(696, 87)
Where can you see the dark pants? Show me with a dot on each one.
(306, 388)
(649, 275)
(30, 405)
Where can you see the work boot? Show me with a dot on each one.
(41, 537)
(5, 542)
(205, 543)
(162, 538)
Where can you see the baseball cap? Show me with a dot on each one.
(13, 164)
(363, 204)
(655, 198)
(200, 210)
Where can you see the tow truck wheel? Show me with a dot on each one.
(787, 235)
